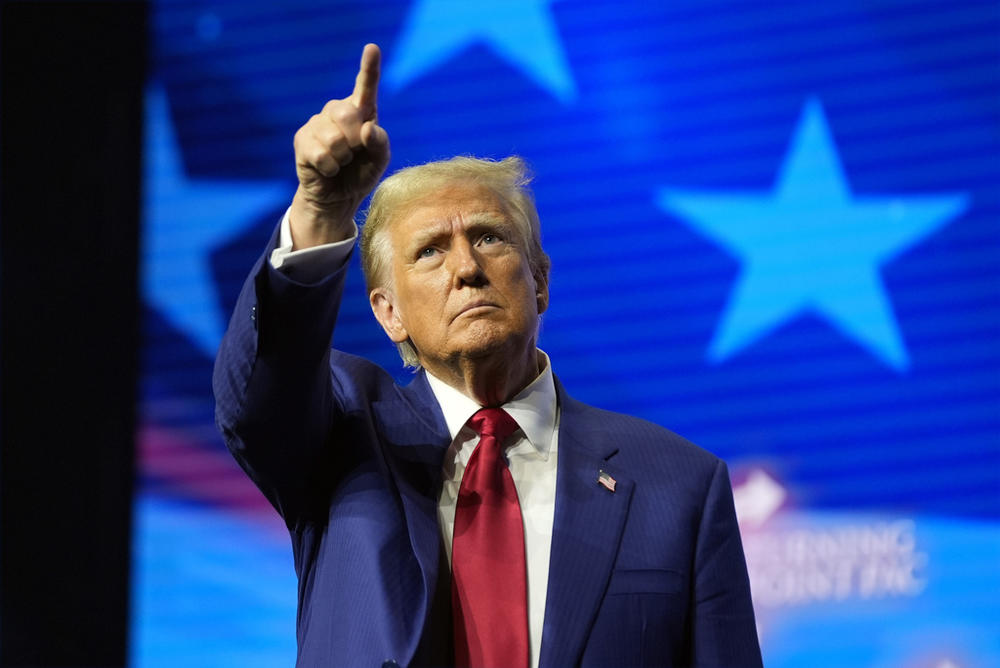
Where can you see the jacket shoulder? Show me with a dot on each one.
(642, 444)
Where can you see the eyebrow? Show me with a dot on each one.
(473, 222)
(428, 233)
(478, 221)
(485, 217)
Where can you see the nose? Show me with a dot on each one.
(466, 267)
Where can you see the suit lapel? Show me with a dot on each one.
(412, 424)
(587, 531)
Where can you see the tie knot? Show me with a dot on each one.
(495, 422)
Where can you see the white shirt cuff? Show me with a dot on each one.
(310, 264)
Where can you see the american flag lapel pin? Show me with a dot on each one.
(606, 481)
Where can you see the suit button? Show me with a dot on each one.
(390, 663)
(253, 315)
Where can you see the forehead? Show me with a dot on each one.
(459, 201)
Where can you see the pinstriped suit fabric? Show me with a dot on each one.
(651, 574)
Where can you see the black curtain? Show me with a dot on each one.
(71, 136)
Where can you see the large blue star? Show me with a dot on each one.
(183, 221)
(520, 31)
(810, 245)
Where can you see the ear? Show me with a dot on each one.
(542, 293)
(383, 306)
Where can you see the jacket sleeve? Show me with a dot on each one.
(723, 630)
(275, 403)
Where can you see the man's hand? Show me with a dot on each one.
(340, 153)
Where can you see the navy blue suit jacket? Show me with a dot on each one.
(651, 574)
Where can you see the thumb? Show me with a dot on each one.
(374, 138)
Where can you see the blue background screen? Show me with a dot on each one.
(774, 227)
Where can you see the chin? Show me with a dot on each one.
(488, 341)
(482, 349)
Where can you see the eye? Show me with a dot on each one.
(490, 238)
(430, 251)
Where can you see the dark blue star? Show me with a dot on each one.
(185, 219)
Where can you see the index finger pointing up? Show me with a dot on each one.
(366, 84)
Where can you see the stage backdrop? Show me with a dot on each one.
(774, 227)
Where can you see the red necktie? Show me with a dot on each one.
(489, 590)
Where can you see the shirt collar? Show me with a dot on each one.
(534, 408)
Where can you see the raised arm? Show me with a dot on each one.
(275, 403)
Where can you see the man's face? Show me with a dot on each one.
(461, 285)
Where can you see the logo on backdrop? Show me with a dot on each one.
(797, 559)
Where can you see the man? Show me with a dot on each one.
(478, 516)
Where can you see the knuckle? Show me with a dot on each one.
(314, 121)
(329, 136)
(319, 156)
(329, 168)
(344, 114)
(306, 151)
(340, 145)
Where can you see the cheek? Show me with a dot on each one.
(415, 285)
(420, 297)
(527, 282)
(525, 294)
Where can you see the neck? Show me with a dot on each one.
(489, 381)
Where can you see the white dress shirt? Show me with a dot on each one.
(531, 457)
(309, 265)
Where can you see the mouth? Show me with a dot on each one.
(474, 308)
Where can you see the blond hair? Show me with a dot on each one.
(508, 179)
